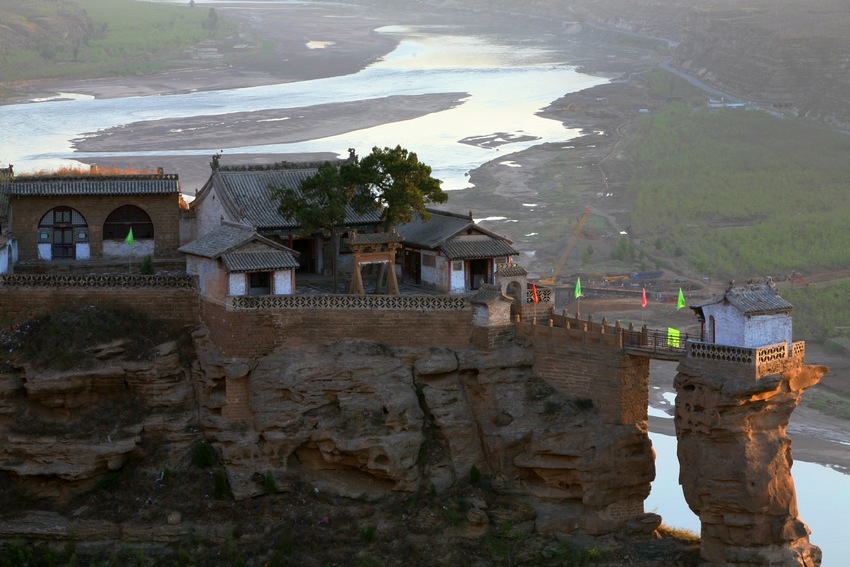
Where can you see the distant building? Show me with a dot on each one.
(78, 217)
(751, 316)
(244, 194)
(450, 252)
(233, 260)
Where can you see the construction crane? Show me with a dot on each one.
(566, 251)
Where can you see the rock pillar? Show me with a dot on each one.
(735, 456)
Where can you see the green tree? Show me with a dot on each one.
(396, 182)
(320, 202)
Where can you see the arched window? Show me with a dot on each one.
(62, 227)
(119, 221)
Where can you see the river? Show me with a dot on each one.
(507, 84)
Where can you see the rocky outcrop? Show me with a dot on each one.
(735, 460)
(359, 419)
(63, 432)
(353, 418)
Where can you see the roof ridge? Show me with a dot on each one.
(88, 177)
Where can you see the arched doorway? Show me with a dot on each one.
(59, 232)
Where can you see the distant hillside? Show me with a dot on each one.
(760, 50)
(42, 39)
(34, 24)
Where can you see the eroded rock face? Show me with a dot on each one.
(62, 432)
(735, 461)
(354, 418)
(361, 420)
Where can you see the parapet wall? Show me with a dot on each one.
(585, 359)
(171, 298)
(753, 362)
(256, 326)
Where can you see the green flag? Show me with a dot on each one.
(681, 302)
(578, 288)
(130, 240)
(672, 337)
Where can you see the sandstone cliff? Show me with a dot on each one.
(731, 430)
(354, 419)
(362, 420)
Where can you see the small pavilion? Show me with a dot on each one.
(373, 248)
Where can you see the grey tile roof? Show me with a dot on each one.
(259, 261)
(433, 232)
(457, 236)
(224, 238)
(246, 195)
(487, 294)
(753, 299)
(468, 247)
(374, 238)
(95, 185)
(513, 270)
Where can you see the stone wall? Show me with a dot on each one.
(164, 211)
(584, 359)
(156, 296)
(252, 333)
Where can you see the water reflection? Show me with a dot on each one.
(506, 86)
(823, 500)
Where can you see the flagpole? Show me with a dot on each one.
(130, 241)
(577, 295)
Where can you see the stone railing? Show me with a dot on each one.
(101, 281)
(721, 353)
(766, 359)
(351, 302)
(544, 295)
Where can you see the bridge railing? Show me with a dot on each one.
(667, 341)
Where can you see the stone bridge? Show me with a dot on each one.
(732, 409)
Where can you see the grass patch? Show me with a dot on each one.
(679, 534)
(828, 403)
(732, 188)
(102, 37)
(65, 340)
(818, 310)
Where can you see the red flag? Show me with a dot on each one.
(643, 300)
(534, 292)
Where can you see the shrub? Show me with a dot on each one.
(474, 475)
(367, 534)
(147, 265)
(203, 456)
(220, 486)
(269, 485)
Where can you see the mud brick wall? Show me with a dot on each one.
(591, 365)
(164, 211)
(259, 332)
(178, 307)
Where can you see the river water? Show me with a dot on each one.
(507, 85)
(823, 499)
